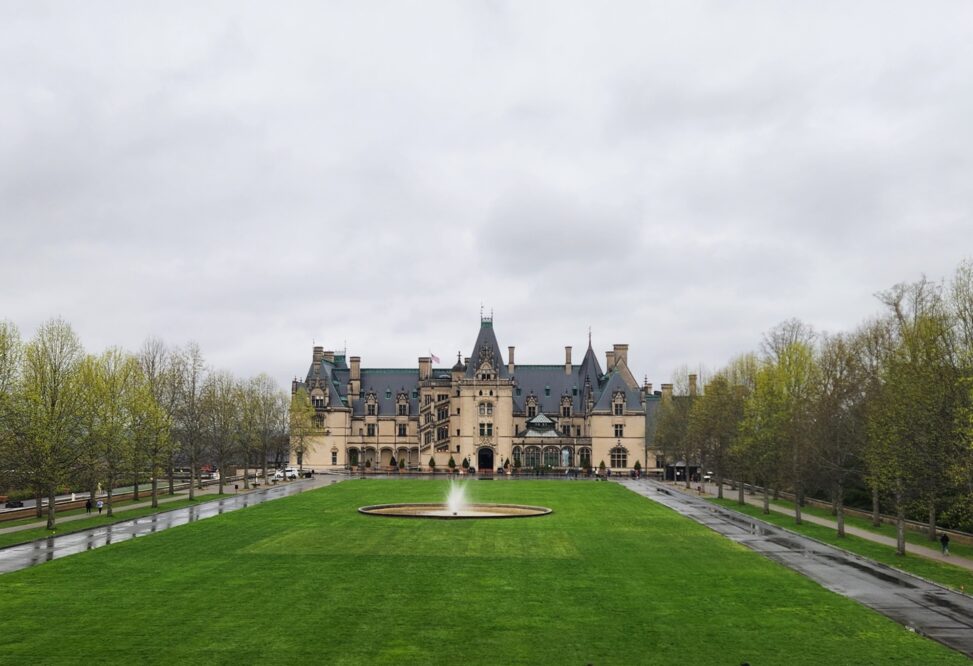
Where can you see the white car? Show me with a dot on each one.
(290, 473)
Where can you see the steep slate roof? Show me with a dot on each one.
(616, 382)
(486, 338)
(547, 383)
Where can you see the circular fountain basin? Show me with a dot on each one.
(441, 511)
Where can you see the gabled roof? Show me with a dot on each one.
(486, 347)
(616, 382)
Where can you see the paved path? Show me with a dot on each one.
(26, 555)
(921, 606)
(207, 490)
(931, 553)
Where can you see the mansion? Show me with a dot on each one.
(484, 411)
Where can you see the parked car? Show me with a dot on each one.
(290, 474)
(14, 504)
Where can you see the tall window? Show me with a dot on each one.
(371, 410)
(403, 430)
(531, 411)
(619, 409)
(486, 430)
(619, 430)
(584, 457)
(518, 460)
(442, 432)
(550, 457)
(565, 410)
(353, 457)
(370, 430)
(619, 457)
(486, 409)
(532, 457)
(403, 409)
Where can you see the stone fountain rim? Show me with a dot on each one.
(371, 510)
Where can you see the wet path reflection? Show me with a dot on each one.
(922, 606)
(56, 547)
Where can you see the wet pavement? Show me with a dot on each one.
(26, 555)
(919, 605)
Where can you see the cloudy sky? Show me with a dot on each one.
(679, 176)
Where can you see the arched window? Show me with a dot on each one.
(584, 457)
(619, 457)
(565, 457)
(532, 457)
(517, 456)
(550, 456)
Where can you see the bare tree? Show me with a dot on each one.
(190, 372)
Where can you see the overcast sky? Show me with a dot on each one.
(679, 176)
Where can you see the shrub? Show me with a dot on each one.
(601, 466)
(638, 465)
(466, 463)
(451, 463)
(432, 463)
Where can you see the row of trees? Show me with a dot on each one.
(74, 420)
(882, 412)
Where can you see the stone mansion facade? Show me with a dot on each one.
(482, 410)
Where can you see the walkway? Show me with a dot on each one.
(26, 555)
(920, 606)
(932, 553)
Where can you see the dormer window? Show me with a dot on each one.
(618, 403)
(370, 409)
(531, 406)
(403, 409)
(565, 406)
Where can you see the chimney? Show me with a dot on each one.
(609, 361)
(510, 360)
(667, 391)
(692, 385)
(318, 354)
(621, 354)
(567, 360)
(329, 356)
(425, 367)
(354, 378)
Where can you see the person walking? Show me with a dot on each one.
(100, 506)
(87, 506)
(944, 542)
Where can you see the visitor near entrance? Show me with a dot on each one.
(944, 542)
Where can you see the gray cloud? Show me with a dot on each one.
(677, 177)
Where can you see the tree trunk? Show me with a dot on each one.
(135, 489)
(797, 504)
(221, 479)
(192, 481)
(246, 472)
(776, 493)
(39, 505)
(839, 504)
(172, 480)
(766, 499)
(899, 525)
(932, 520)
(719, 486)
(876, 516)
(108, 502)
(834, 506)
(51, 496)
(740, 498)
(155, 492)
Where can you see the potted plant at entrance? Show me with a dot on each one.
(638, 468)
(432, 464)
(601, 469)
(452, 465)
(401, 464)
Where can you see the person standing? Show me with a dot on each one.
(944, 542)
(100, 506)
(87, 506)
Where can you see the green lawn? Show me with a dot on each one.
(944, 574)
(11, 538)
(609, 577)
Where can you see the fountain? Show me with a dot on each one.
(456, 507)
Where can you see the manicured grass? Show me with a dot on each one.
(942, 573)
(609, 577)
(11, 538)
